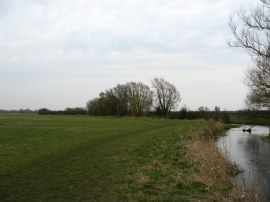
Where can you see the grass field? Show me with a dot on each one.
(82, 158)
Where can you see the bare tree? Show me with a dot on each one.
(140, 98)
(258, 80)
(166, 96)
(251, 30)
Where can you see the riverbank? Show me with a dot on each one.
(251, 154)
(214, 170)
(266, 138)
(248, 119)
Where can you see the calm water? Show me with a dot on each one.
(251, 154)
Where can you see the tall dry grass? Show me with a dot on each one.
(215, 170)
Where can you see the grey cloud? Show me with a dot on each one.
(49, 39)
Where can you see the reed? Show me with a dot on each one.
(214, 169)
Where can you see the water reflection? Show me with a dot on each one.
(250, 153)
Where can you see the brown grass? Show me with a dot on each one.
(214, 169)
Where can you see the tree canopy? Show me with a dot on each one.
(124, 99)
(136, 98)
(166, 96)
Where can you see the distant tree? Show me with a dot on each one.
(74, 111)
(225, 118)
(217, 109)
(203, 112)
(203, 109)
(140, 98)
(121, 92)
(105, 105)
(166, 96)
(112, 103)
(183, 112)
(251, 31)
(44, 111)
(25, 111)
(217, 113)
(93, 107)
(124, 99)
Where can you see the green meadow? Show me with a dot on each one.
(83, 158)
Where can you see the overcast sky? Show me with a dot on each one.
(59, 54)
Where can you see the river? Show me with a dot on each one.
(250, 153)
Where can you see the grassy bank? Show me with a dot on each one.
(245, 119)
(214, 170)
(267, 138)
(82, 158)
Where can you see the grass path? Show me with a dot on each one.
(81, 158)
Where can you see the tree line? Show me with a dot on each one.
(67, 111)
(202, 113)
(136, 99)
(139, 99)
(19, 111)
